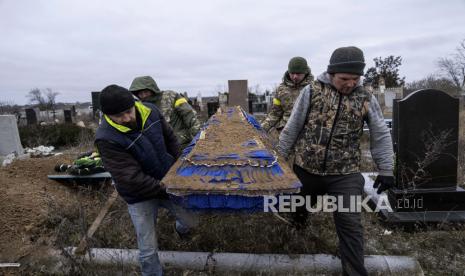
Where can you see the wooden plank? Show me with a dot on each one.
(98, 220)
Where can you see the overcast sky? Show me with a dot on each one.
(75, 47)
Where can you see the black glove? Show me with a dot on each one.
(384, 183)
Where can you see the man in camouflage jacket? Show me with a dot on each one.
(324, 131)
(174, 107)
(295, 78)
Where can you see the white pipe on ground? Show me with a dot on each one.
(258, 263)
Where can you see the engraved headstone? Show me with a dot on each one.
(425, 136)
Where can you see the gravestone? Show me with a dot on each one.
(426, 140)
(9, 136)
(223, 99)
(238, 94)
(68, 116)
(425, 136)
(390, 95)
(73, 111)
(212, 108)
(31, 116)
(95, 103)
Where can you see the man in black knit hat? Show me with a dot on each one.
(324, 132)
(138, 147)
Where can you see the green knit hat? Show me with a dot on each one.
(142, 83)
(298, 65)
(347, 60)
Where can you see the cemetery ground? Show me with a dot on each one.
(39, 215)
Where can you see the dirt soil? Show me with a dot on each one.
(230, 134)
(24, 193)
(27, 199)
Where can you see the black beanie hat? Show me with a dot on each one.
(298, 65)
(347, 60)
(115, 99)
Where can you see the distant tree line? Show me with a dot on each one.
(8, 107)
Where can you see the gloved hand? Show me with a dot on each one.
(384, 183)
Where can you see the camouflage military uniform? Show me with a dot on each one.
(285, 96)
(330, 142)
(174, 107)
(178, 113)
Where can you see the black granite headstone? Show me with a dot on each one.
(426, 140)
(425, 136)
(212, 107)
(31, 116)
(95, 102)
(68, 117)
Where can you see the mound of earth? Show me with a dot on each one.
(25, 194)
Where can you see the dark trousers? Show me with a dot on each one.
(348, 225)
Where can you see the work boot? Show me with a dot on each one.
(184, 234)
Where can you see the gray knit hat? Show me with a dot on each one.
(347, 60)
(115, 99)
(298, 65)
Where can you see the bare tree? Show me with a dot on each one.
(44, 100)
(256, 89)
(433, 82)
(51, 100)
(453, 67)
(35, 97)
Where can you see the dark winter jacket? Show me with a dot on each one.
(138, 159)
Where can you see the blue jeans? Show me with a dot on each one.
(144, 217)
